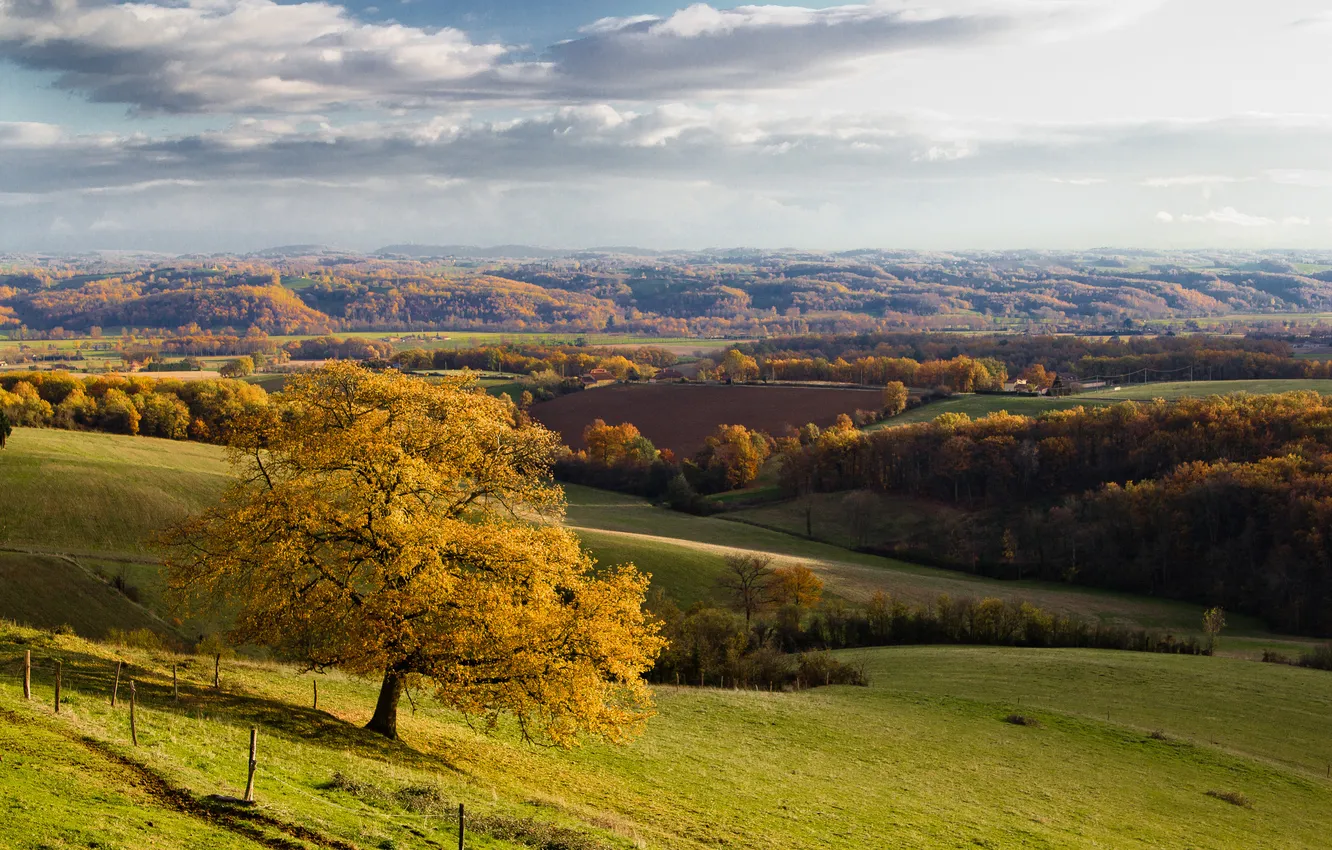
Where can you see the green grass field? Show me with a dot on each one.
(684, 554)
(977, 406)
(920, 759)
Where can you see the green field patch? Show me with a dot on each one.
(922, 758)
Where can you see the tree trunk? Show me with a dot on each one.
(385, 721)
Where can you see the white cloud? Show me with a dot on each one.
(1295, 221)
(1191, 180)
(1164, 217)
(28, 134)
(1300, 177)
(1230, 215)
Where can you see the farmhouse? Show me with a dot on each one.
(596, 376)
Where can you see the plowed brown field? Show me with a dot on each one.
(679, 417)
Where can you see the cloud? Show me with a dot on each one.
(1164, 217)
(235, 55)
(730, 145)
(1295, 221)
(28, 134)
(1301, 177)
(1079, 181)
(1191, 180)
(1322, 19)
(250, 56)
(1230, 215)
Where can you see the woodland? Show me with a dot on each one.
(727, 294)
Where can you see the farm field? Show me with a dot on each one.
(680, 417)
(978, 405)
(922, 758)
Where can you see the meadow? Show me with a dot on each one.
(978, 405)
(1122, 750)
(81, 509)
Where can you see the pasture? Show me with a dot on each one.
(1124, 750)
(978, 405)
(680, 417)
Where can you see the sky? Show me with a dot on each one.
(235, 125)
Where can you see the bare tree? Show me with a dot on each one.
(861, 509)
(1214, 620)
(747, 580)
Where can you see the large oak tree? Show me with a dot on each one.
(397, 528)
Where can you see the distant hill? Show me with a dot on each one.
(282, 251)
(494, 252)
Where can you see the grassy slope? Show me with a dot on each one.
(620, 528)
(93, 499)
(920, 759)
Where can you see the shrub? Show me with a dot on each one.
(1234, 798)
(1319, 658)
(1021, 720)
(137, 639)
(1270, 657)
(1158, 735)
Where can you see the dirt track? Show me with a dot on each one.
(679, 417)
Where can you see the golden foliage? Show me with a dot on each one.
(384, 525)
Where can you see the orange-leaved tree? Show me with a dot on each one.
(385, 525)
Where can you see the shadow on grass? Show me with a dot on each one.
(90, 676)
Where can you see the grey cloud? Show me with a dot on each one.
(248, 56)
(723, 147)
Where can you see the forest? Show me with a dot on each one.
(707, 295)
(1224, 500)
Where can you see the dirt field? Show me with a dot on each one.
(679, 417)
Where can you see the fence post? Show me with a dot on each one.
(316, 694)
(115, 689)
(217, 671)
(57, 693)
(27, 674)
(134, 725)
(254, 762)
(462, 826)
(175, 686)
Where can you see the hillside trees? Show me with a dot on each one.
(379, 525)
(5, 428)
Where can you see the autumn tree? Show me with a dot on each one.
(386, 526)
(746, 580)
(737, 452)
(1036, 376)
(5, 428)
(894, 398)
(238, 368)
(738, 366)
(796, 585)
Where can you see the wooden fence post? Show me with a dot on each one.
(462, 826)
(254, 762)
(57, 693)
(115, 689)
(175, 685)
(27, 674)
(217, 671)
(316, 694)
(134, 725)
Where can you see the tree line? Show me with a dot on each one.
(118, 404)
(1219, 500)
